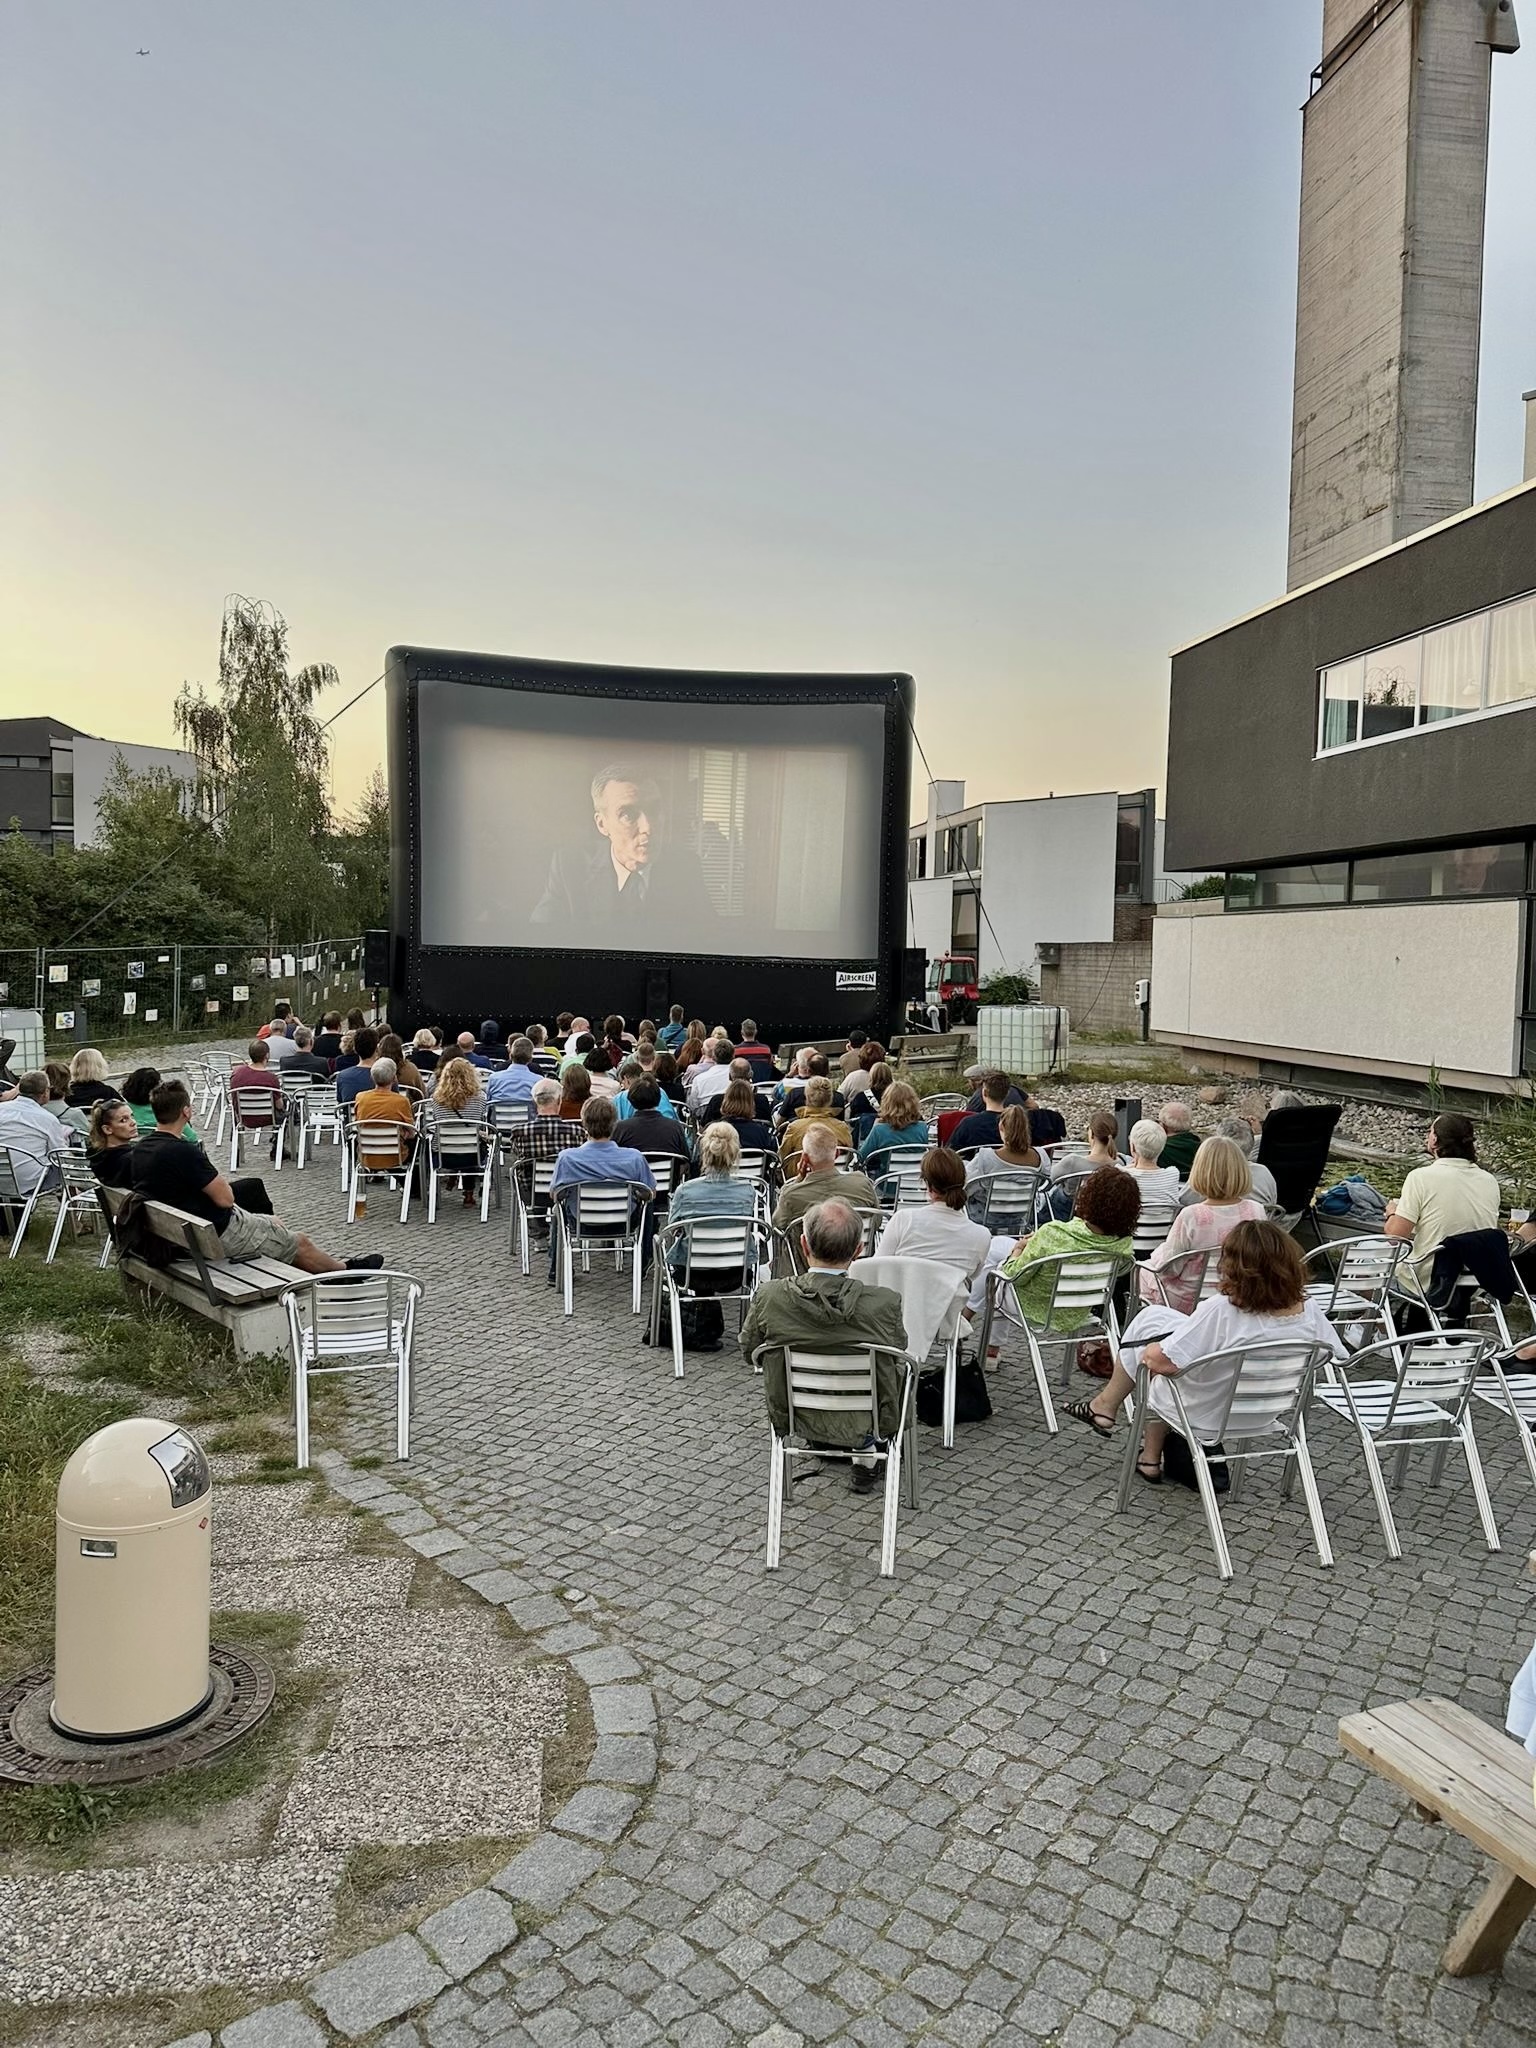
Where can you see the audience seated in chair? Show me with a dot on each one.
(1262, 1181)
(256, 1069)
(1262, 1299)
(1148, 1141)
(88, 1081)
(815, 1108)
(940, 1228)
(1181, 1143)
(351, 1081)
(1221, 1183)
(901, 1122)
(1450, 1195)
(33, 1138)
(1104, 1213)
(598, 1158)
(823, 1310)
(650, 1128)
(817, 1178)
(379, 1104)
(166, 1168)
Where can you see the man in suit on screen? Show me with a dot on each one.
(629, 887)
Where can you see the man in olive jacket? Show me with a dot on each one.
(824, 1309)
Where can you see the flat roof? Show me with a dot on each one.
(1350, 568)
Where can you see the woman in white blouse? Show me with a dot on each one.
(940, 1228)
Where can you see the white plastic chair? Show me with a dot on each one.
(704, 1244)
(348, 1323)
(531, 1180)
(602, 1215)
(839, 1383)
(933, 1298)
(218, 1066)
(1426, 1402)
(1267, 1408)
(1082, 1289)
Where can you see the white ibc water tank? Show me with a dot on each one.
(1023, 1038)
(26, 1027)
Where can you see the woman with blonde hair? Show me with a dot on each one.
(714, 1191)
(88, 1081)
(900, 1122)
(1220, 1178)
(458, 1098)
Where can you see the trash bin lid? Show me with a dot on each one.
(132, 1473)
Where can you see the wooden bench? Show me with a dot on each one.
(242, 1296)
(1478, 1781)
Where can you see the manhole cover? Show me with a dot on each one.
(33, 1752)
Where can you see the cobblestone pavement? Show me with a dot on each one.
(1052, 1783)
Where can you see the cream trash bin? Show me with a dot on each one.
(131, 1595)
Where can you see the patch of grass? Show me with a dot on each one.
(384, 1890)
(40, 1427)
(367, 1461)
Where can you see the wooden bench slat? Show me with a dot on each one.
(1492, 1743)
(1488, 1801)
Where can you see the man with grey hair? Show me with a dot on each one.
(33, 1137)
(633, 885)
(817, 1179)
(383, 1103)
(824, 1309)
(546, 1097)
(1182, 1144)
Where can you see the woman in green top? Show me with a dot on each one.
(1102, 1220)
(136, 1094)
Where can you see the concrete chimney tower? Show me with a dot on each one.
(1394, 165)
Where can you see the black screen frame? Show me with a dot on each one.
(456, 987)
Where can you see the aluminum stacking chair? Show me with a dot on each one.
(1198, 1269)
(1004, 1202)
(533, 1151)
(452, 1145)
(605, 1216)
(392, 1146)
(352, 1323)
(939, 1105)
(1082, 1295)
(901, 1185)
(839, 1383)
(319, 1116)
(18, 1207)
(257, 1109)
(700, 1245)
(1267, 1410)
(1425, 1400)
(220, 1065)
(1359, 1291)
(669, 1170)
(503, 1122)
(1513, 1393)
(787, 1238)
(933, 1297)
(1153, 1225)
(76, 1198)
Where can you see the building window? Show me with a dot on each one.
(1420, 875)
(1492, 870)
(63, 798)
(1130, 831)
(958, 849)
(917, 858)
(1481, 664)
(965, 921)
(1290, 888)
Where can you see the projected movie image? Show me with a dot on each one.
(612, 825)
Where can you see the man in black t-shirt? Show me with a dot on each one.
(165, 1168)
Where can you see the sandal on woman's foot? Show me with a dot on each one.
(1084, 1411)
(1152, 1474)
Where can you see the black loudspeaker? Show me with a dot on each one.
(658, 994)
(914, 974)
(376, 959)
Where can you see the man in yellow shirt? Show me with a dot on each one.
(1452, 1194)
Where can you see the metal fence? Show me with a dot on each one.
(119, 995)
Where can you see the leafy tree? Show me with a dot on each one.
(360, 856)
(1007, 988)
(263, 763)
(1208, 885)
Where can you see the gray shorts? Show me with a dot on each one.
(258, 1237)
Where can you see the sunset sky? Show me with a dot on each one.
(874, 335)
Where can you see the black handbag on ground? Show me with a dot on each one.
(972, 1401)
